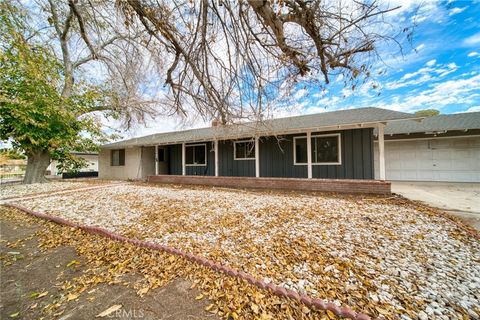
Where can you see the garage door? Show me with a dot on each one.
(446, 159)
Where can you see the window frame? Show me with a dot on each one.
(120, 164)
(196, 145)
(295, 163)
(235, 149)
(338, 135)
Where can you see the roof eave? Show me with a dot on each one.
(355, 125)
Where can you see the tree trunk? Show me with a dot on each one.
(37, 163)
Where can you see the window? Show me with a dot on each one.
(117, 157)
(325, 149)
(196, 155)
(300, 152)
(244, 150)
(161, 155)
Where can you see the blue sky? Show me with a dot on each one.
(439, 69)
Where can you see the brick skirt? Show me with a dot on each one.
(324, 185)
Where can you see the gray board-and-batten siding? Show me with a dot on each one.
(276, 158)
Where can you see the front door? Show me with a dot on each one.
(162, 160)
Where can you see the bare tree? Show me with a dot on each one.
(235, 59)
(102, 61)
(90, 38)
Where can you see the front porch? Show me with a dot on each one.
(338, 154)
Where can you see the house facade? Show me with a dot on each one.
(330, 145)
(91, 163)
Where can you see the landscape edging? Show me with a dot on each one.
(313, 303)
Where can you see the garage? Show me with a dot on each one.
(441, 159)
(439, 148)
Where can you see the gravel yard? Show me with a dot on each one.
(19, 190)
(382, 256)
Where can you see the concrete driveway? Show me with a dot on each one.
(459, 199)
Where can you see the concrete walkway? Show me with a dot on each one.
(459, 199)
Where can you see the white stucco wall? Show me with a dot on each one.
(139, 163)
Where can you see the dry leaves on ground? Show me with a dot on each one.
(386, 257)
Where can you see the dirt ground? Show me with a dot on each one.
(31, 279)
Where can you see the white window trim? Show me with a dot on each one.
(295, 163)
(235, 150)
(195, 145)
(338, 135)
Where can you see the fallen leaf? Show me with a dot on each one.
(142, 291)
(381, 311)
(72, 296)
(43, 294)
(265, 316)
(109, 311)
(199, 297)
(331, 315)
(14, 315)
(210, 307)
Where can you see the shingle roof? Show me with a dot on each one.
(271, 127)
(444, 122)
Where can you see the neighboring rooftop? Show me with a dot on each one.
(315, 122)
(435, 124)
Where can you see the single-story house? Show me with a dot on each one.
(439, 148)
(330, 145)
(90, 157)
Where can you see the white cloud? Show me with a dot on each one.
(472, 40)
(433, 72)
(473, 109)
(440, 95)
(423, 10)
(473, 54)
(400, 84)
(420, 47)
(452, 65)
(456, 11)
(300, 94)
(347, 92)
(313, 110)
(320, 94)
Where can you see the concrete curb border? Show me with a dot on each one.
(313, 303)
